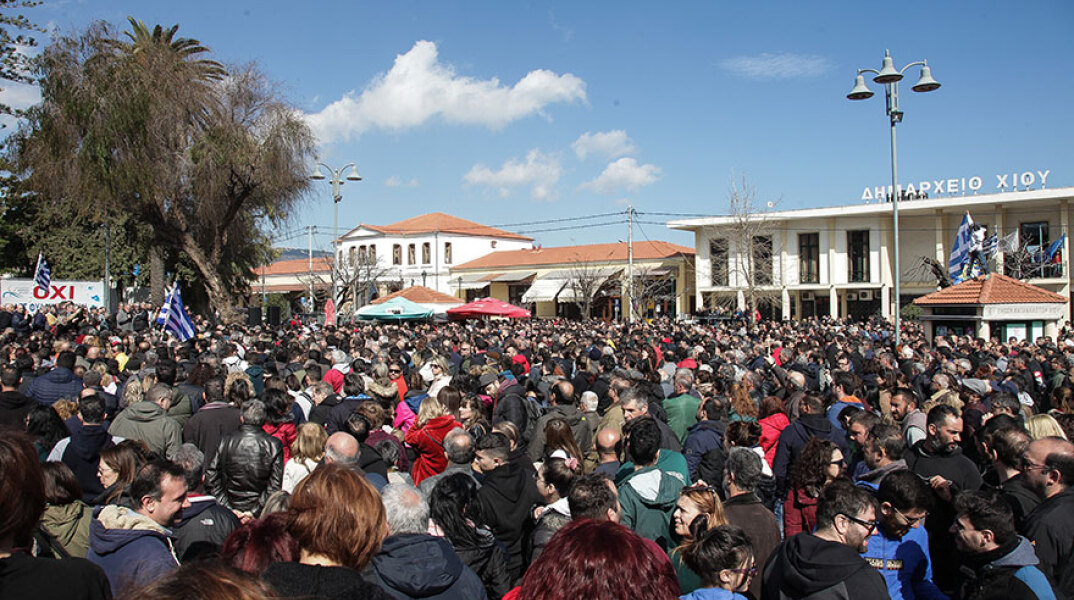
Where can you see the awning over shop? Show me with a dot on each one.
(544, 289)
(571, 292)
(470, 282)
(512, 277)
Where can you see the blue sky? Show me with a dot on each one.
(520, 112)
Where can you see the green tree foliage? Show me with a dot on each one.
(16, 35)
(143, 126)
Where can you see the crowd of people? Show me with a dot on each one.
(531, 460)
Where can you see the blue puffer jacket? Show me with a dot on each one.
(905, 564)
(57, 383)
(416, 565)
(130, 548)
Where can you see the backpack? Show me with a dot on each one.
(533, 413)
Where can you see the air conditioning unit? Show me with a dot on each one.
(865, 295)
(807, 296)
(852, 296)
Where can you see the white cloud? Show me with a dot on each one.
(419, 87)
(539, 171)
(609, 144)
(783, 65)
(623, 174)
(396, 181)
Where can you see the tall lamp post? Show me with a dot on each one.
(889, 77)
(337, 182)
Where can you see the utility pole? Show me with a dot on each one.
(630, 260)
(311, 304)
(108, 268)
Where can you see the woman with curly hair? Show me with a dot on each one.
(743, 408)
(820, 463)
(699, 509)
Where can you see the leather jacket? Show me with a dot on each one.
(247, 469)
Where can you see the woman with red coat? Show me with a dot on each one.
(820, 463)
(773, 420)
(427, 437)
(279, 423)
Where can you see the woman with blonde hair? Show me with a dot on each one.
(427, 437)
(698, 510)
(1044, 425)
(441, 377)
(306, 451)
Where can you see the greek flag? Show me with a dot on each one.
(42, 273)
(991, 245)
(162, 318)
(178, 323)
(960, 252)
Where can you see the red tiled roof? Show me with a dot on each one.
(592, 253)
(421, 295)
(995, 289)
(443, 223)
(297, 266)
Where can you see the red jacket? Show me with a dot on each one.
(428, 440)
(771, 427)
(799, 512)
(286, 433)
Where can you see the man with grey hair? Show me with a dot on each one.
(459, 447)
(635, 404)
(149, 422)
(248, 465)
(413, 564)
(743, 507)
(682, 407)
(204, 525)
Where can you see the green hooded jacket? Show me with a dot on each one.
(648, 497)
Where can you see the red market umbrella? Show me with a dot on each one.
(488, 307)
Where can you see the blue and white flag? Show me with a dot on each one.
(991, 245)
(960, 252)
(178, 322)
(42, 273)
(162, 318)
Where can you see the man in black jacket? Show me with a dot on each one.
(510, 406)
(505, 498)
(1048, 466)
(939, 460)
(248, 466)
(562, 406)
(204, 525)
(14, 406)
(826, 563)
(82, 450)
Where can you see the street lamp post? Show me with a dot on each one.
(889, 77)
(337, 182)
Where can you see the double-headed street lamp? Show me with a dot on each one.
(337, 182)
(890, 77)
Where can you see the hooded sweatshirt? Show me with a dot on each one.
(505, 497)
(82, 453)
(648, 498)
(131, 548)
(416, 565)
(70, 525)
(806, 565)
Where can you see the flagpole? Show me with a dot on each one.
(167, 302)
